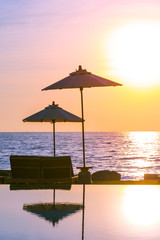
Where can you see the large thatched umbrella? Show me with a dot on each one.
(53, 114)
(82, 79)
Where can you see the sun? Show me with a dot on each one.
(133, 53)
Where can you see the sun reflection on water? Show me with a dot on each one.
(141, 205)
(145, 146)
(143, 141)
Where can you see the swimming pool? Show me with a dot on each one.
(80, 212)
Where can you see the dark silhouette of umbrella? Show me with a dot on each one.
(53, 114)
(82, 79)
(52, 213)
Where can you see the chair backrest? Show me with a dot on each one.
(37, 167)
(57, 167)
(148, 176)
(25, 167)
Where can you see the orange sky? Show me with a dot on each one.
(43, 41)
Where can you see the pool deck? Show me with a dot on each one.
(5, 178)
(128, 182)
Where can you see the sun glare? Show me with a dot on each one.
(141, 204)
(133, 53)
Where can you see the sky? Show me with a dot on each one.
(41, 42)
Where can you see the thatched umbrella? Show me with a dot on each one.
(53, 114)
(82, 79)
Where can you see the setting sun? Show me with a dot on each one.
(133, 53)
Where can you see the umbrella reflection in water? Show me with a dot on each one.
(52, 213)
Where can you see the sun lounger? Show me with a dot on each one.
(41, 169)
(148, 176)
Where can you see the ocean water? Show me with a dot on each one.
(129, 153)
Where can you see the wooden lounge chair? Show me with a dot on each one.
(149, 176)
(41, 169)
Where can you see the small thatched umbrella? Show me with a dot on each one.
(53, 114)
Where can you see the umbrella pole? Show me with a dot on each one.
(81, 89)
(54, 197)
(83, 212)
(54, 145)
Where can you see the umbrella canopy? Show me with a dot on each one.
(82, 79)
(53, 114)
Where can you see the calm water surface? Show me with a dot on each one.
(130, 153)
(107, 212)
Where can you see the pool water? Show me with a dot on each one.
(80, 212)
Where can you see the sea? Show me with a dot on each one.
(132, 154)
